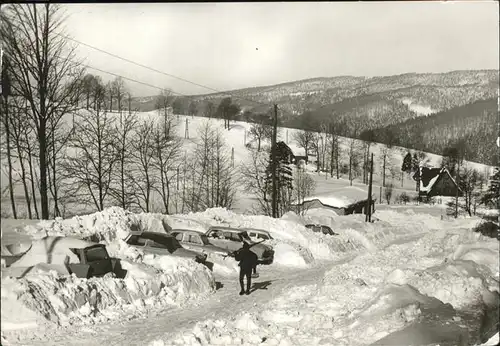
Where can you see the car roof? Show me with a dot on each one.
(185, 231)
(225, 228)
(256, 230)
(150, 233)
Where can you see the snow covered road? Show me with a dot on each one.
(224, 304)
(407, 277)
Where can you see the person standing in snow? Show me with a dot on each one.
(248, 261)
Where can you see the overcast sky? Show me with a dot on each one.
(235, 45)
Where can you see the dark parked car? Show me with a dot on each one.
(232, 239)
(198, 242)
(163, 244)
(321, 229)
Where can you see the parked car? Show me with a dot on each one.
(66, 255)
(321, 229)
(257, 235)
(162, 244)
(231, 239)
(198, 242)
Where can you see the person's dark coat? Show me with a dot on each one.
(247, 258)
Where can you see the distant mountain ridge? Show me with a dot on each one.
(362, 103)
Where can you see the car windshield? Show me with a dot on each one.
(97, 253)
(244, 236)
(204, 239)
(168, 242)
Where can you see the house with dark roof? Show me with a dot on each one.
(436, 182)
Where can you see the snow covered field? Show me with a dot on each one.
(408, 277)
(238, 137)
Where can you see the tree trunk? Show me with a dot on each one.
(44, 200)
(32, 178)
(23, 178)
(337, 156)
(383, 171)
(350, 168)
(54, 182)
(332, 153)
(9, 158)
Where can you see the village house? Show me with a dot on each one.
(436, 182)
(343, 201)
(298, 154)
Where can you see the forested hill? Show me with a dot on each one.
(473, 126)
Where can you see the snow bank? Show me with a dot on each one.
(46, 294)
(109, 224)
(64, 300)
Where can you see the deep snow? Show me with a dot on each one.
(406, 277)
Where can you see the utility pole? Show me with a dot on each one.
(457, 176)
(274, 164)
(369, 204)
(186, 132)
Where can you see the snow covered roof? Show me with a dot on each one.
(429, 176)
(341, 197)
(296, 150)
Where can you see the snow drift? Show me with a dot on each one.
(44, 295)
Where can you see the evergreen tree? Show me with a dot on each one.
(284, 177)
(493, 193)
(407, 163)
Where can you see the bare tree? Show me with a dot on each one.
(388, 193)
(209, 109)
(334, 129)
(368, 137)
(259, 132)
(6, 124)
(124, 128)
(385, 153)
(212, 176)
(469, 181)
(304, 185)
(304, 139)
(166, 153)
(88, 83)
(254, 180)
(92, 161)
(354, 158)
(58, 138)
(142, 174)
(119, 91)
(42, 71)
(110, 94)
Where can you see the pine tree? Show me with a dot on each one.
(407, 163)
(493, 193)
(284, 177)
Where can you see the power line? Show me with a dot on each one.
(130, 79)
(153, 69)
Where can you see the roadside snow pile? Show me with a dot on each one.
(305, 242)
(46, 294)
(354, 234)
(66, 300)
(109, 224)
